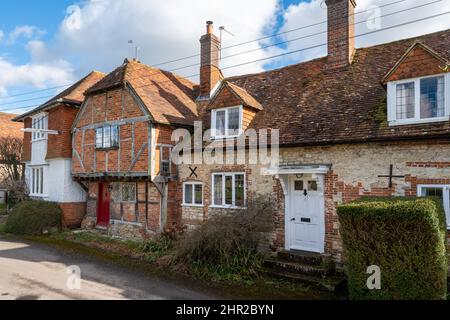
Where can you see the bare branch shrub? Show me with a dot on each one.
(230, 241)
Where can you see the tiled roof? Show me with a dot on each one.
(247, 99)
(74, 94)
(310, 105)
(8, 128)
(169, 98)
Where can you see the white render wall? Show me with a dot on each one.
(58, 183)
(61, 187)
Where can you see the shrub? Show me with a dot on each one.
(229, 242)
(34, 218)
(405, 237)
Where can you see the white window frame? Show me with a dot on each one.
(214, 134)
(193, 184)
(162, 160)
(110, 137)
(392, 101)
(227, 174)
(39, 122)
(37, 182)
(446, 197)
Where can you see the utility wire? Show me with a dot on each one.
(289, 52)
(223, 48)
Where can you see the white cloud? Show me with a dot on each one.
(304, 14)
(25, 31)
(97, 33)
(2, 34)
(41, 71)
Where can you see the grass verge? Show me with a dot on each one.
(157, 263)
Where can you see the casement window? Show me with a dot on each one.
(193, 194)
(440, 191)
(39, 123)
(37, 181)
(226, 123)
(419, 100)
(165, 159)
(107, 137)
(229, 190)
(128, 192)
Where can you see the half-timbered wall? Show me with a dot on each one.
(115, 107)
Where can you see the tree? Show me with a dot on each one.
(11, 167)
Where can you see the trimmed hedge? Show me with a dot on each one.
(34, 218)
(405, 237)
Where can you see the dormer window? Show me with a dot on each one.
(419, 100)
(226, 122)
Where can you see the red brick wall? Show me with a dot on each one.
(418, 63)
(60, 118)
(73, 214)
(26, 157)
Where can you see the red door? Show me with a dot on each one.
(104, 197)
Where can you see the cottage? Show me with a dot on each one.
(358, 122)
(47, 150)
(122, 148)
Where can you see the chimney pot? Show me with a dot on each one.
(209, 27)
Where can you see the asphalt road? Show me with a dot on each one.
(38, 272)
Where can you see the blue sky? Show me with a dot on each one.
(52, 43)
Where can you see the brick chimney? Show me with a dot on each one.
(210, 73)
(341, 32)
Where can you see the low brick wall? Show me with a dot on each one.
(73, 214)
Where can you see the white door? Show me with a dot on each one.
(306, 214)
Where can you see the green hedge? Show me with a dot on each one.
(34, 218)
(405, 237)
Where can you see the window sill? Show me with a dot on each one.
(418, 121)
(192, 205)
(39, 195)
(39, 140)
(228, 207)
(107, 149)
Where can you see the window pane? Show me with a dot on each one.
(99, 138)
(114, 136)
(218, 201)
(405, 100)
(239, 190)
(33, 181)
(107, 137)
(128, 192)
(41, 191)
(37, 181)
(312, 185)
(188, 193)
(233, 121)
(299, 185)
(220, 123)
(228, 190)
(198, 194)
(433, 192)
(432, 97)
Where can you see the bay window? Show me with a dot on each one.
(107, 137)
(229, 190)
(419, 100)
(440, 191)
(227, 122)
(193, 194)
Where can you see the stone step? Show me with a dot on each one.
(334, 284)
(302, 257)
(296, 267)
